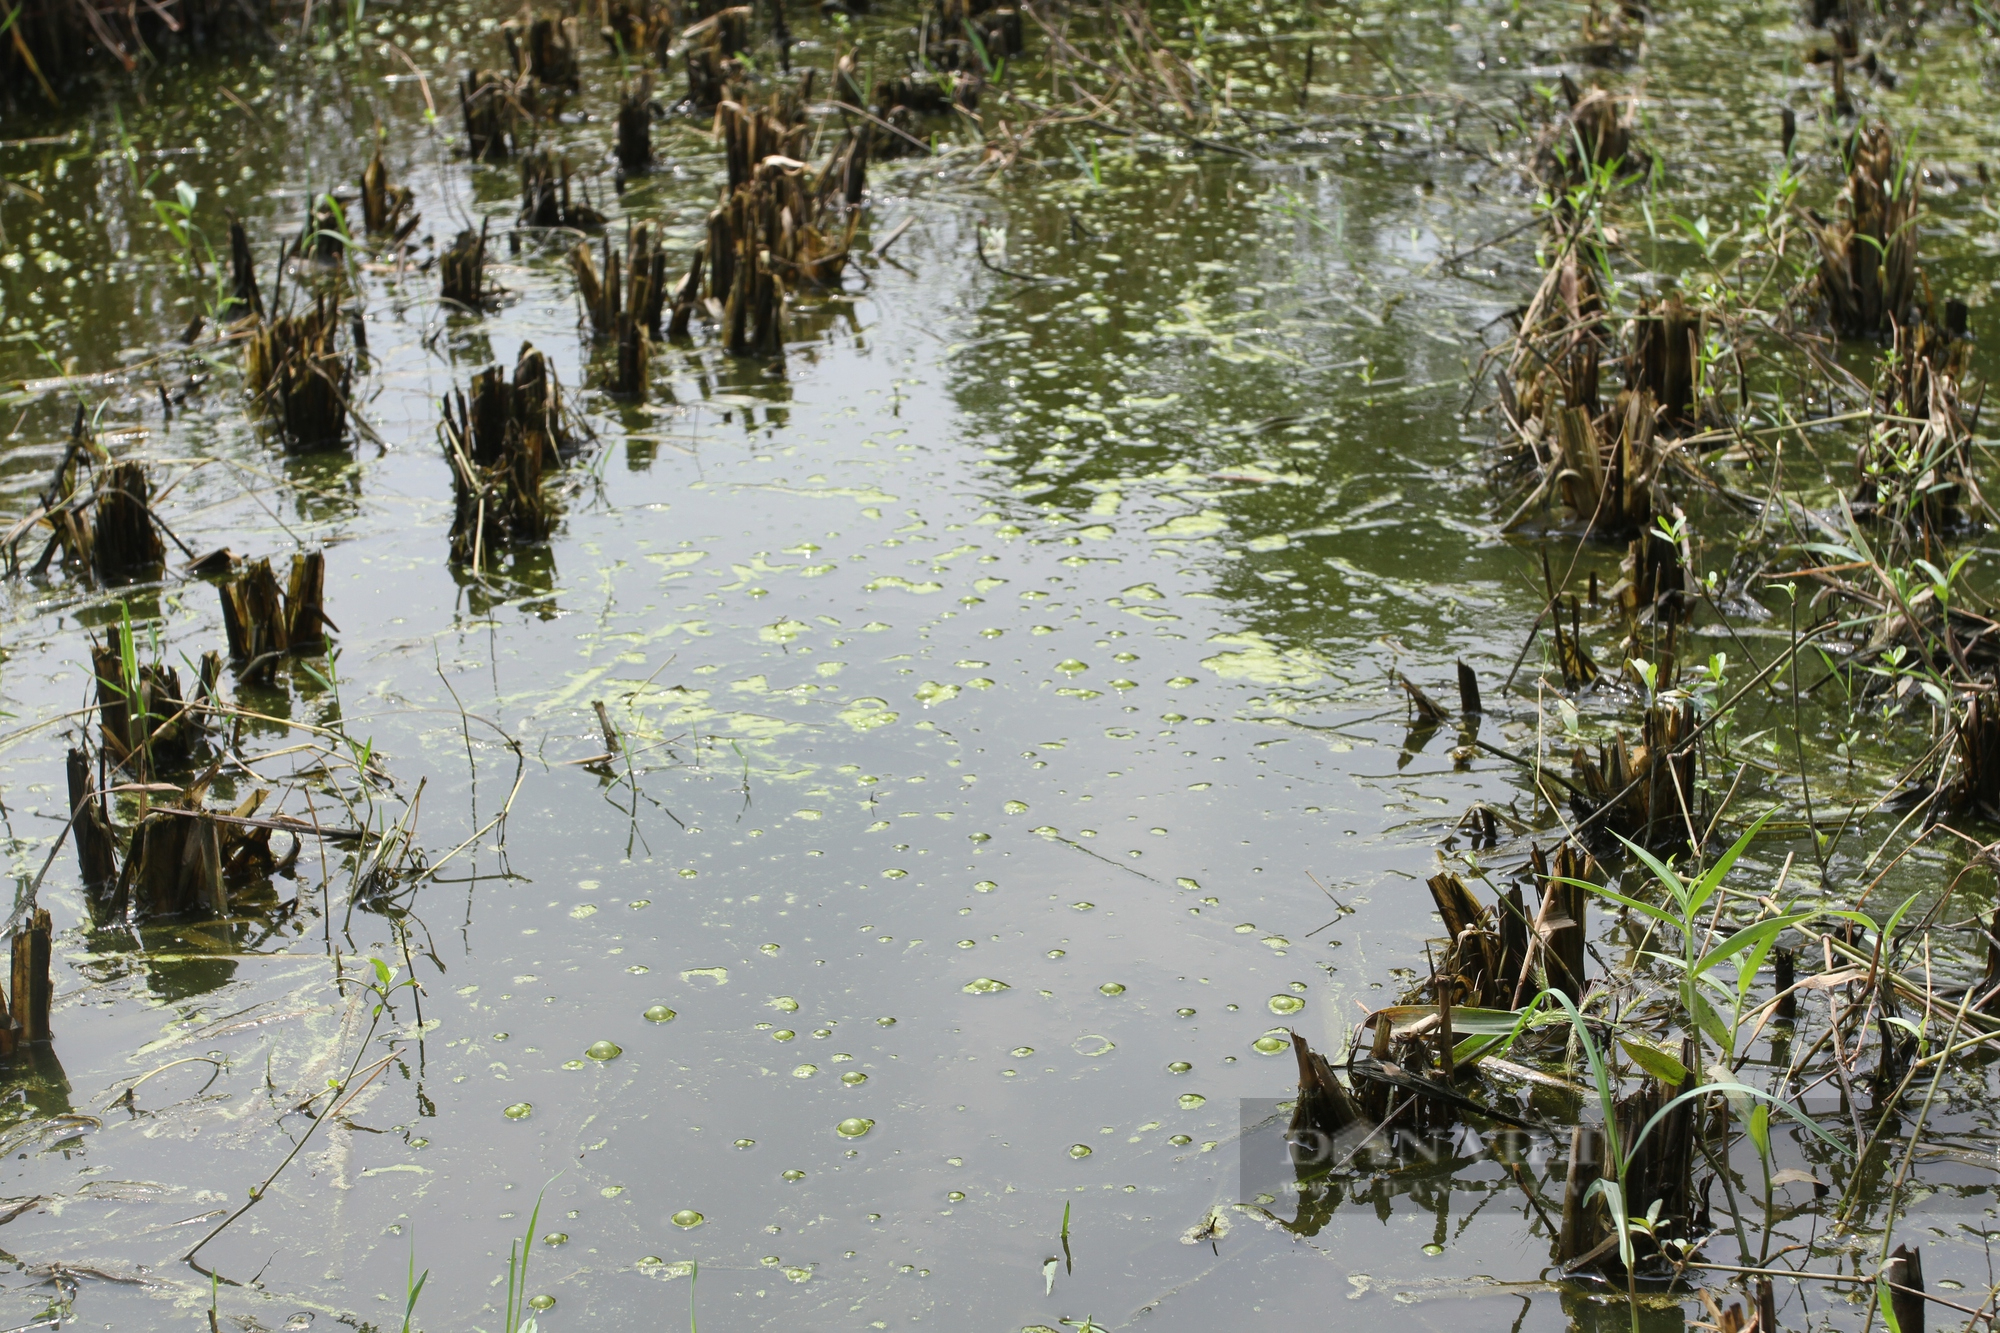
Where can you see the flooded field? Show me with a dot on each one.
(831, 817)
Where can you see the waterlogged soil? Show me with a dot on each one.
(1007, 681)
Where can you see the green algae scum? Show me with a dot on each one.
(1033, 665)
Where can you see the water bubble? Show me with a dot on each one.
(793, 1176)
(956, 1196)
(1111, 988)
(770, 1261)
(805, 1071)
(519, 1111)
(1433, 1248)
(1269, 1044)
(797, 1274)
(768, 948)
(854, 1078)
(604, 1050)
(659, 1013)
(968, 944)
(573, 1064)
(556, 1238)
(853, 1127)
(785, 1004)
(611, 1191)
(1180, 1140)
(687, 1219)
(984, 886)
(1079, 1150)
(885, 1022)
(542, 1302)
(783, 1034)
(1191, 1100)
(1286, 1004)
(1023, 1052)
(985, 986)
(1083, 907)
(1058, 953)
(1245, 928)
(501, 1036)
(1185, 1012)
(746, 1143)
(1179, 1067)
(1016, 807)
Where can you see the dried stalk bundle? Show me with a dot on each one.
(1650, 787)
(385, 208)
(1482, 961)
(174, 865)
(970, 34)
(1607, 467)
(33, 991)
(782, 226)
(688, 296)
(490, 103)
(1975, 735)
(635, 282)
(299, 378)
(264, 625)
(1868, 257)
(546, 200)
(327, 229)
(1554, 361)
(244, 300)
(1659, 1173)
(1916, 470)
(1573, 660)
(90, 828)
(1326, 1115)
(1594, 134)
(751, 134)
(1655, 578)
(500, 445)
(1664, 350)
(711, 47)
(532, 405)
(145, 720)
(462, 269)
(1611, 37)
(1557, 938)
(636, 28)
(901, 102)
(181, 857)
(124, 536)
(635, 124)
(548, 54)
(626, 313)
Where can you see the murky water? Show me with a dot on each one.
(1007, 680)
